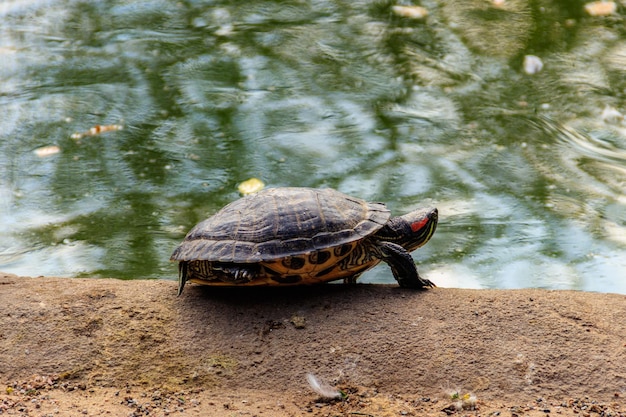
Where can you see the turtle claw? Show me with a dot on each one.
(182, 277)
(421, 284)
(236, 274)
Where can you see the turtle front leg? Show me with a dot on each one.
(402, 265)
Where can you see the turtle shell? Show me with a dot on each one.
(280, 222)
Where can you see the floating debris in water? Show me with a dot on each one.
(96, 130)
(322, 388)
(251, 186)
(411, 12)
(601, 8)
(7, 50)
(532, 64)
(612, 116)
(45, 151)
(225, 30)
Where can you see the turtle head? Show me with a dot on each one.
(411, 230)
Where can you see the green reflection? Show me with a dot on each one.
(527, 170)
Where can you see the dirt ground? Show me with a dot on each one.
(105, 347)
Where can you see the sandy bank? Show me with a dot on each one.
(111, 347)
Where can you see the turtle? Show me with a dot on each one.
(298, 236)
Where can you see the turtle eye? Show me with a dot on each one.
(418, 225)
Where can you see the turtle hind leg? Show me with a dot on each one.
(236, 273)
(402, 265)
(205, 272)
(232, 273)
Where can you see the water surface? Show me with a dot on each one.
(528, 170)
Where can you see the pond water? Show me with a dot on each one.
(527, 167)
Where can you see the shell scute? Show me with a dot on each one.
(281, 222)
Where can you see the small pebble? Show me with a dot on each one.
(298, 322)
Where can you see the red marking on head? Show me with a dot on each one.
(416, 226)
